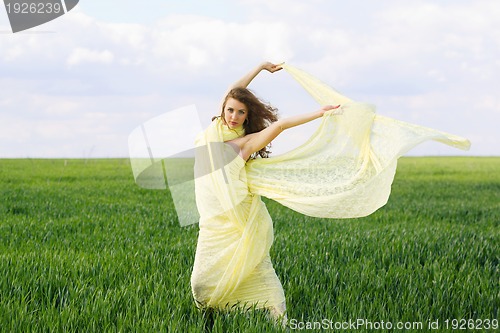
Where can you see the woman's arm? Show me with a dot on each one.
(245, 80)
(254, 142)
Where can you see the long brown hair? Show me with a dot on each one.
(260, 114)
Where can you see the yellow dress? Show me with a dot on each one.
(232, 265)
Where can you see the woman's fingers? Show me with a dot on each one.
(330, 107)
(279, 66)
(327, 108)
(272, 67)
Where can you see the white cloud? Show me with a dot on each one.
(83, 55)
(61, 108)
(194, 43)
(433, 62)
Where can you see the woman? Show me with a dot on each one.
(232, 264)
(345, 170)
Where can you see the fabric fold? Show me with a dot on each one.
(346, 168)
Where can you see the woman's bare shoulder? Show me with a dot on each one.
(241, 140)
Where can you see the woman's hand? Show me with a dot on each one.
(270, 67)
(328, 108)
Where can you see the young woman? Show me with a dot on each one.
(345, 170)
(232, 265)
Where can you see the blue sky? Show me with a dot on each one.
(79, 85)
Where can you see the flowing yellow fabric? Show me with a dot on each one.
(344, 170)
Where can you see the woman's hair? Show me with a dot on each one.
(260, 114)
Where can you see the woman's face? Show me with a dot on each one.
(235, 113)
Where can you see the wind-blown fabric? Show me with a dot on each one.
(344, 170)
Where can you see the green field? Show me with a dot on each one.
(84, 249)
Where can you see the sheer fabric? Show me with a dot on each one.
(344, 170)
(232, 265)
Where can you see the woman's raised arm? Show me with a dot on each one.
(245, 80)
(254, 142)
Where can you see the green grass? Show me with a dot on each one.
(83, 249)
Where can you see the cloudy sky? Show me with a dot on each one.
(79, 85)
